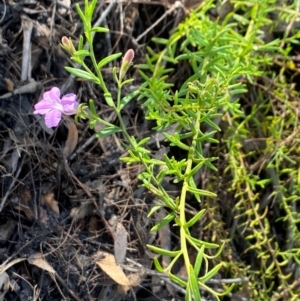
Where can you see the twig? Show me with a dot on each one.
(26, 59)
(30, 87)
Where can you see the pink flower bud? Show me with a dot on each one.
(129, 56)
(127, 60)
(67, 45)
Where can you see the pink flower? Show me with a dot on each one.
(53, 106)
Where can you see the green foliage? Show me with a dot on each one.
(232, 82)
(221, 58)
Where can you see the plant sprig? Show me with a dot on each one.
(222, 60)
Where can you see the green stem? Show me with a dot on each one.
(93, 58)
(183, 239)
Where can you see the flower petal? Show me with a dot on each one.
(52, 118)
(43, 107)
(50, 101)
(69, 104)
(52, 96)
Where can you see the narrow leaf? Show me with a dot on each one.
(82, 52)
(109, 100)
(198, 261)
(82, 74)
(108, 59)
(100, 29)
(154, 209)
(164, 252)
(82, 16)
(92, 107)
(157, 265)
(108, 131)
(80, 44)
(193, 283)
(194, 219)
(166, 220)
(211, 273)
(201, 192)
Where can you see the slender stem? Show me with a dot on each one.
(119, 96)
(183, 238)
(90, 38)
(99, 74)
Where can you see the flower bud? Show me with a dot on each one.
(126, 63)
(67, 45)
(129, 56)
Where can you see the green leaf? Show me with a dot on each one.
(143, 151)
(154, 209)
(108, 131)
(198, 261)
(92, 124)
(157, 265)
(211, 273)
(194, 219)
(145, 176)
(193, 186)
(100, 29)
(92, 107)
(80, 44)
(86, 8)
(91, 9)
(177, 280)
(109, 100)
(164, 252)
(188, 295)
(82, 52)
(193, 283)
(200, 243)
(127, 81)
(201, 192)
(108, 59)
(161, 175)
(160, 41)
(77, 59)
(82, 74)
(166, 220)
(82, 16)
(143, 141)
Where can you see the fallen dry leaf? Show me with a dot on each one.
(25, 206)
(48, 199)
(84, 210)
(120, 244)
(37, 260)
(72, 138)
(110, 267)
(135, 280)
